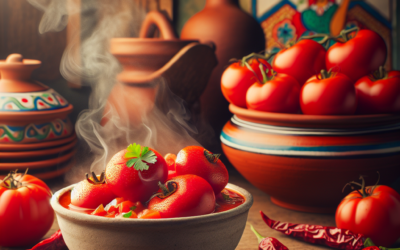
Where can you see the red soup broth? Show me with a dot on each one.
(228, 199)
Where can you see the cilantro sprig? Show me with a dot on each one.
(138, 157)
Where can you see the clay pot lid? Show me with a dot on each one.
(18, 92)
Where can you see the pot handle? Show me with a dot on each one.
(161, 21)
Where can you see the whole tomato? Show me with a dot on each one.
(328, 94)
(280, 93)
(182, 196)
(25, 211)
(303, 60)
(133, 173)
(237, 78)
(379, 93)
(358, 56)
(201, 162)
(373, 212)
(92, 192)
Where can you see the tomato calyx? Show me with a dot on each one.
(379, 74)
(12, 180)
(364, 193)
(325, 74)
(255, 56)
(167, 189)
(94, 180)
(212, 158)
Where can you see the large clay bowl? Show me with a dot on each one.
(303, 161)
(213, 231)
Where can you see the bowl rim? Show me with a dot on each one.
(304, 120)
(85, 218)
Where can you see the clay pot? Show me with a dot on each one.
(235, 34)
(184, 64)
(30, 111)
(212, 231)
(304, 161)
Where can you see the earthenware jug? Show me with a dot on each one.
(185, 65)
(235, 34)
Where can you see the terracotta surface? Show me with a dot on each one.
(305, 168)
(36, 164)
(34, 146)
(213, 231)
(235, 34)
(26, 155)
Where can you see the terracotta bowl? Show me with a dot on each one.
(213, 231)
(304, 161)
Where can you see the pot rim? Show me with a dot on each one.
(85, 218)
(285, 119)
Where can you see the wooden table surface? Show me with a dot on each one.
(261, 202)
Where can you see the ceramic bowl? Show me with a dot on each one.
(304, 161)
(213, 231)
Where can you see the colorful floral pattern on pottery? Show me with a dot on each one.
(35, 132)
(309, 142)
(33, 101)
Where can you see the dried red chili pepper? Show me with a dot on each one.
(328, 236)
(379, 248)
(55, 242)
(268, 243)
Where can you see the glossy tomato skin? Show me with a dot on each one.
(89, 195)
(25, 213)
(192, 160)
(237, 79)
(358, 56)
(281, 94)
(376, 216)
(193, 196)
(335, 95)
(303, 60)
(379, 96)
(132, 184)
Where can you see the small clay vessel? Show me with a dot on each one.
(235, 34)
(30, 111)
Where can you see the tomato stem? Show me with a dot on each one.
(213, 158)
(344, 33)
(94, 180)
(169, 188)
(381, 73)
(12, 180)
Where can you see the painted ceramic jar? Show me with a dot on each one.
(303, 161)
(30, 112)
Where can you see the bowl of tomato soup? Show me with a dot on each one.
(221, 229)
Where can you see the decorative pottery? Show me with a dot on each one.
(304, 161)
(235, 34)
(213, 231)
(34, 146)
(30, 112)
(185, 65)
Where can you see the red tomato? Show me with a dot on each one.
(99, 211)
(303, 60)
(279, 94)
(358, 56)
(139, 181)
(149, 214)
(185, 195)
(25, 211)
(237, 79)
(201, 162)
(333, 94)
(92, 192)
(373, 212)
(379, 95)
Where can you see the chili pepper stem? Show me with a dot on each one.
(259, 237)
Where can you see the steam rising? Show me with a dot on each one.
(164, 127)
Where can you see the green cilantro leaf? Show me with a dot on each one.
(127, 215)
(140, 156)
(226, 196)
